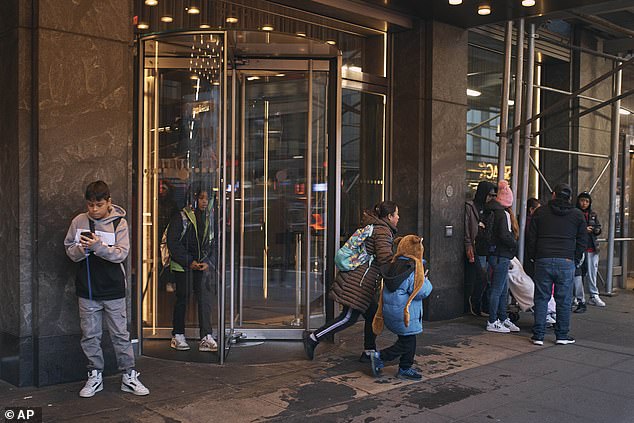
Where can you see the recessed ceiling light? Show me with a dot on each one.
(624, 112)
(484, 9)
(151, 2)
(301, 34)
(252, 78)
(167, 19)
(473, 93)
(528, 3)
(205, 26)
(455, 2)
(281, 74)
(193, 10)
(193, 77)
(267, 28)
(231, 19)
(331, 42)
(143, 25)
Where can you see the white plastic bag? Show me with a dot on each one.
(521, 285)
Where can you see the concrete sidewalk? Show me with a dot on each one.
(472, 376)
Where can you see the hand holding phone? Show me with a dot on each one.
(87, 234)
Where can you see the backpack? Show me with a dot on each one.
(485, 240)
(353, 253)
(165, 252)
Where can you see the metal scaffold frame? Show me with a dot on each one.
(531, 130)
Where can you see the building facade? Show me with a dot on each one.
(295, 116)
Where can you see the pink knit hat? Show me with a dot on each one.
(505, 195)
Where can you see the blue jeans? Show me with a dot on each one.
(561, 273)
(498, 295)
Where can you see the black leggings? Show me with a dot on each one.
(347, 318)
(200, 284)
(405, 348)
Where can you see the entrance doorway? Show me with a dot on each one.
(243, 116)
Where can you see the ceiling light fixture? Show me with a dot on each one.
(252, 78)
(151, 2)
(231, 19)
(624, 112)
(528, 3)
(301, 34)
(484, 9)
(455, 2)
(473, 93)
(331, 42)
(267, 28)
(511, 102)
(143, 25)
(281, 74)
(205, 26)
(167, 19)
(192, 10)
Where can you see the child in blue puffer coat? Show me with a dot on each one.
(401, 306)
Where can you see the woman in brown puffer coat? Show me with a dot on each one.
(355, 290)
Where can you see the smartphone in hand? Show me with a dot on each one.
(87, 234)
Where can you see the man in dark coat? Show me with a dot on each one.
(476, 265)
(556, 242)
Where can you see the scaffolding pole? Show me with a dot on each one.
(504, 109)
(614, 150)
(527, 137)
(517, 114)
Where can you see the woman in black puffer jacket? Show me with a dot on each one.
(355, 290)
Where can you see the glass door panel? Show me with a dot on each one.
(280, 136)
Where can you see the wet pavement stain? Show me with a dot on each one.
(314, 396)
(441, 396)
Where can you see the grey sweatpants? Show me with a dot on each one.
(91, 314)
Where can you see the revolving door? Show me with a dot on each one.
(245, 115)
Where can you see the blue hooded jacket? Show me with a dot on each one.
(398, 284)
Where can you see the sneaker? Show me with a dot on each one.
(309, 345)
(595, 300)
(131, 383)
(365, 356)
(208, 343)
(575, 302)
(497, 326)
(408, 374)
(581, 308)
(565, 341)
(93, 385)
(376, 363)
(537, 341)
(510, 325)
(179, 342)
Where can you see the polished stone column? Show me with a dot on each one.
(69, 108)
(428, 155)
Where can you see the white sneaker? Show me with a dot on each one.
(596, 301)
(179, 342)
(93, 385)
(512, 327)
(497, 326)
(208, 343)
(131, 383)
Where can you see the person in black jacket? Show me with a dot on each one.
(190, 240)
(556, 242)
(591, 255)
(504, 242)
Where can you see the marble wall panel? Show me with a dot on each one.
(429, 150)
(446, 203)
(110, 19)
(8, 15)
(449, 66)
(26, 183)
(9, 187)
(85, 133)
